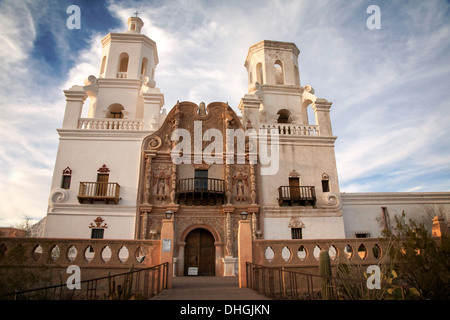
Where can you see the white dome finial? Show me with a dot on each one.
(135, 23)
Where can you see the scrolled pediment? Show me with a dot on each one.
(187, 115)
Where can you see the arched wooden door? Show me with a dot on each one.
(200, 252)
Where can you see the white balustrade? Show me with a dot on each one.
(109, 124)
(290, 129)
(121, 75)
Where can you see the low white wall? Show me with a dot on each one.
(363, 211)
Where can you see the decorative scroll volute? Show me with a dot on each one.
(218, 115)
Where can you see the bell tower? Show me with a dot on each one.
(275, 95)
(273, 63)
(305, 184)
(130, 54)
(126, 86)
(273, 76)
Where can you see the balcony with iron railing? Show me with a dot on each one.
(297, 195)
(201, 191)
(99, 191)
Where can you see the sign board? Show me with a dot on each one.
(192, 271)
(166, 245)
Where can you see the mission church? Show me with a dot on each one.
(115, 176)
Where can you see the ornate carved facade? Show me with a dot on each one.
(213, 201)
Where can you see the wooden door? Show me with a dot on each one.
(200, 252)
(102, 184)
(294, 188)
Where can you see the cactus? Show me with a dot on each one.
(127, 284)
(325, 272)
(122, 292)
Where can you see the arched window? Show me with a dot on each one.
(115, 111)
(123, 65)
(67, 176)
(325, 182)
(144, 66)
(279, 73)
(284, 116)
(102, 68)
(259, 73)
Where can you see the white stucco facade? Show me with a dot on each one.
(118, 146)
(102, 141)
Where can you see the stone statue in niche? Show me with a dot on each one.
(202, 109)
(161, 189)
(240, 181)
(228, 117)
(240, 188)
(240, 191)
(161, 178)
(253, 192)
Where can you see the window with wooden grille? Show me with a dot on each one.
(97, 233)
(296, 233)
(362, 235)
(326, 185)
(66, 178)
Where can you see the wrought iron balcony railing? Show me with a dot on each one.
(201, 191)
(99, 191)
(302, 196)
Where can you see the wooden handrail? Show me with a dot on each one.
(99, 191)
(294, 192)
(297, 194)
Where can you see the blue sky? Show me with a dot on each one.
(390, 87)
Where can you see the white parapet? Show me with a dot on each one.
(109, 124)
(290, 129)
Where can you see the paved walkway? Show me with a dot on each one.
(208, 288)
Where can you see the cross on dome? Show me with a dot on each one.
(135, 23)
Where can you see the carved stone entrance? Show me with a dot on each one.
(200, 252)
